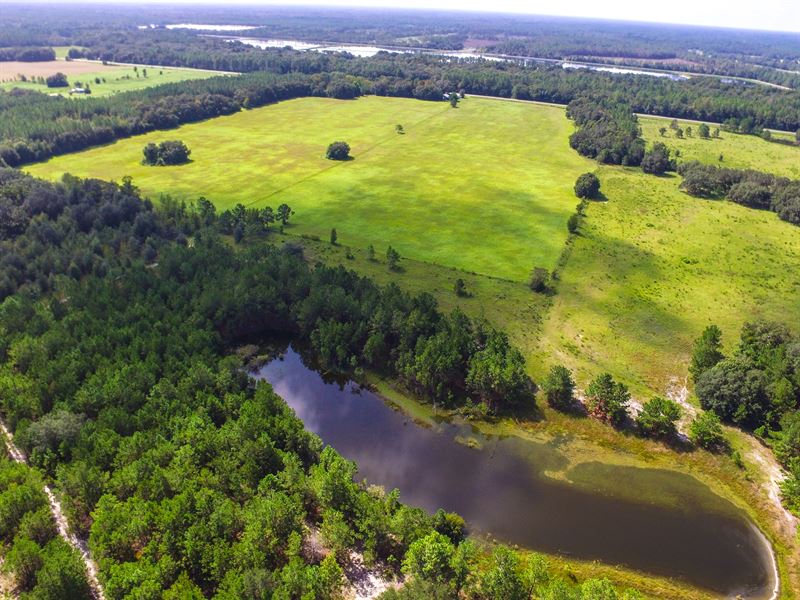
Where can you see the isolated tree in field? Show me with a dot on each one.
(392, 258)
(559, 388)
(371, 252)
(540, 278)
(658, 417)
(57, 80)
(460, 288)
(674, 125)
(689, 131)
(284, 213)
(453, 99)
(715, 133)
(607, 399)
(334, 237)
(172, 152)
(707, 351)
(338, 151)
(703, 131)
(656, 161)
(399, 128)
(587, 186)
(679, 133)
(706, 431)
(662, 131)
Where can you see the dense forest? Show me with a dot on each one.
(35, 126)
(118, 380)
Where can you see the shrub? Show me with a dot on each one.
(706, 431)
(658, 417)
(607, 399)
(559, 388)
(540, 278)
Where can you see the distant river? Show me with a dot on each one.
(502, 489)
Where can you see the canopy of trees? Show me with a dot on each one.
(171, 152)
(756, 387)
(747, 187)
(609, 133)
(27, 54)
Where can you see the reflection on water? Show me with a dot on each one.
(500, 489)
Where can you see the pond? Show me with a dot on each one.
(677, 528)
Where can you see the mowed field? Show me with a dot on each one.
(103, 80)
(486, 187)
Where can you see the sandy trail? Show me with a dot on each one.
(61, 520)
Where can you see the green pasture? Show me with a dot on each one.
(114, 80)
(737, 150)
(486, 187)
(653, 266)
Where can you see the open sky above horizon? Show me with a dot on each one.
(774, 15)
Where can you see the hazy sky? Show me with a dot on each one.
(780, 15)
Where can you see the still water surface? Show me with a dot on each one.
(683, 531)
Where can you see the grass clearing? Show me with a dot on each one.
(486, 187)
(738, 151)
(113, 79)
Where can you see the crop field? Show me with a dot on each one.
(486, 187)
(737, 151)
(103, 80)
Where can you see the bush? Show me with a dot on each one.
(338, 151)
(559, 388)
(540, 278)
(608, 400)
(658, 417)
(573, 222)
(587, 186)
(706, 431)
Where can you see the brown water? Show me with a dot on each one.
(682, 530)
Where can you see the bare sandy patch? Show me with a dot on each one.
(10, 71)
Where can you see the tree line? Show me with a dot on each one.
(34, 126)
(757, 387)
(27, 54)
(747, 187)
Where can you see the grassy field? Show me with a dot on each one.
(113, 79)
(653, 266)
(737, 151)
(486, 187)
